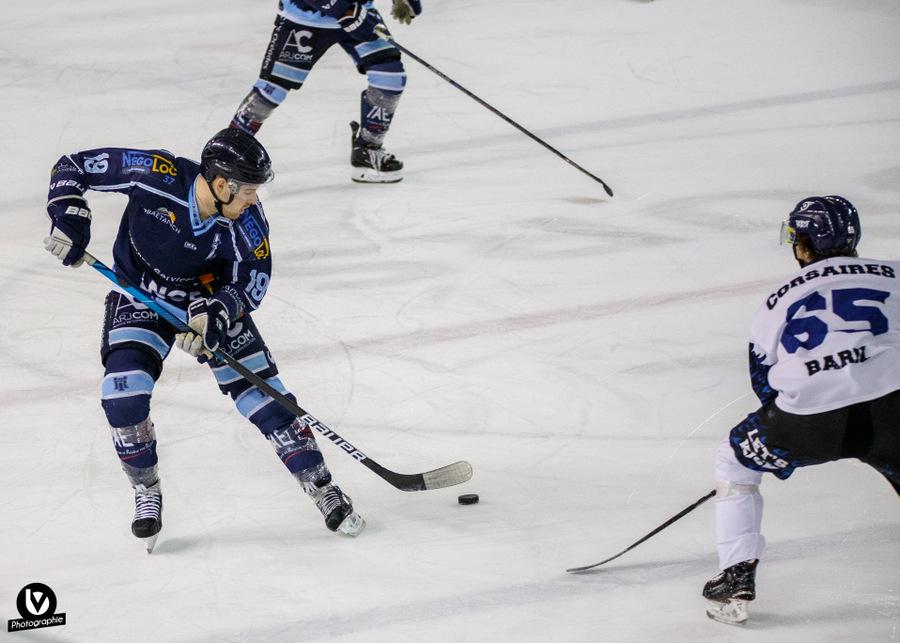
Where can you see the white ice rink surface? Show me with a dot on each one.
(585, 354)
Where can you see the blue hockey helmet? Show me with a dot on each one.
(236, 156)
(830, 222)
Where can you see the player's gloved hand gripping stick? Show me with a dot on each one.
(447, 476)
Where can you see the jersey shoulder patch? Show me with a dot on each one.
(254, 232)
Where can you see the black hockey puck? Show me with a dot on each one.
(468, 499)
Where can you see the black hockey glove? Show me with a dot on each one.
(360, 23)
(209, 319)
(405, 10)
(70, 232)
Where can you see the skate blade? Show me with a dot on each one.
(150, 542)
(731, 612)
(368, 175)
(352, 525)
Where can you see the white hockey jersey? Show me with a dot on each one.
(830, 335)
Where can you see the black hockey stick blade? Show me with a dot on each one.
(680, 514)
(446, 476)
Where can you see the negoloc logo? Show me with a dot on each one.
(36, 603)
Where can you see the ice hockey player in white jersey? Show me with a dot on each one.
(825, 364)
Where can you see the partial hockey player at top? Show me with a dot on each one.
(304, 30)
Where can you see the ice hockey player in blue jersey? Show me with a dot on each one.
(825, 364)
(304, 31)
(196, 236)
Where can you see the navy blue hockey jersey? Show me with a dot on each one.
(162, 243)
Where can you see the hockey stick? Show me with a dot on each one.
(500, 114)
(679, 515)
(446, 476)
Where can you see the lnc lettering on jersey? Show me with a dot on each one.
(879, 270)
(152, 163)
(152, 288)
(837, 361)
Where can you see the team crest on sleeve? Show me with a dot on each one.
(96, 164)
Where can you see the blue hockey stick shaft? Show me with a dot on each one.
(446, 476)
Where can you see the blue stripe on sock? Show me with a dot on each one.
(395, 81)
(126, 384)
(271, 91)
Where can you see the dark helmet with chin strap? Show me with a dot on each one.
(830, 222)
(237, 157)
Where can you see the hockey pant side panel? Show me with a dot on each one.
(739, 508)
(777, 441)
(293, 442)
(883, 450)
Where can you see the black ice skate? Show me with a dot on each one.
(147, 514)
(336, 507)
(731, 590)
(372, 163)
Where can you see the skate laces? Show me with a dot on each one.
(147, 503)
(329, 498)
(378, 156)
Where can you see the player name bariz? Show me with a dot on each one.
(876, 269)
(837, 361)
